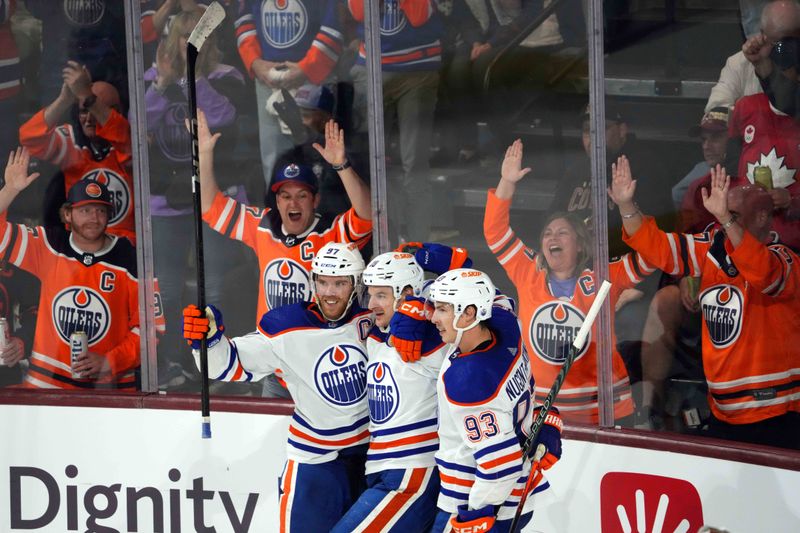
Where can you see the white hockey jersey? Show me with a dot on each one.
(324, 365)
(402, 404)
(484, 401)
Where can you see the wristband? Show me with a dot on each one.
(729, 223)
(345, 165)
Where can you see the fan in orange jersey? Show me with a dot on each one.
(94, 145)
(285, 239)
(89, 284)
(556, 287)
(748, 296)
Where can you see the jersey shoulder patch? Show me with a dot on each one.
(475, 378)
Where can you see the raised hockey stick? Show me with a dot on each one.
(212, 17)
(534, 476)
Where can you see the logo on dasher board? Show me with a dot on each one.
(341, 374)
(80, 309)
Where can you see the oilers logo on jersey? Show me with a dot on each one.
(383, 395)
(340, 374)
(285, 22)
(120, 192)
(81, 309)
(85, 13)
(722, 311)
(285, 282)
(553, 328)
(171, 135)
(393, 20)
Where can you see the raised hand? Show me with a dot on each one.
(756, 49)
(623, 186)
(205, 139)
(333, 152)
(715, 198)
(78, 79)
(16, 174)
(511, 170)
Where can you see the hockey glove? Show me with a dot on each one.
(408, 327)
(468, 521)
(195, 326)
(549, 438)
(437, 258)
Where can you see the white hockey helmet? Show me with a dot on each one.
(338, 259)
(463, 287)
(397, 270)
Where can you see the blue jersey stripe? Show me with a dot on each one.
(539, 488)
(310, 449)
(454, 494)
(338, 431)
(453, 466)
(499, 474)
(404, 453)
(513, 441)
(407, 427)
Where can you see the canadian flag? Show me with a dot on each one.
(644, 503)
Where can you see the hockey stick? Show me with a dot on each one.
(212, 17)
(534, 476)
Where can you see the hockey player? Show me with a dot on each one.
(484, 398)
(748, 297)
(402, 480)
(319, 347)
(285, 239)
(94, 144)
(556, 287)
(89, 284)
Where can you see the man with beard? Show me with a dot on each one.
(89, 285)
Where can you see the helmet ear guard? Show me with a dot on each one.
(338, 259)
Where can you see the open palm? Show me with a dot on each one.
(333, 152)
(623, 186)
(16, 174)
(511, 170)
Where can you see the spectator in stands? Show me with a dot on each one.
(83, 132)
(776, 58)
(279, 56)
(218, 85)
(19, 295)
(89, 33)
(89, 284)
(556, 287)
(713, 134)
(410, 60)
(10, 79)
(671, 336)
(573, 195)
(738, 77)
(286, 238)
(314, 109)
(748, 297)
(155, 17)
